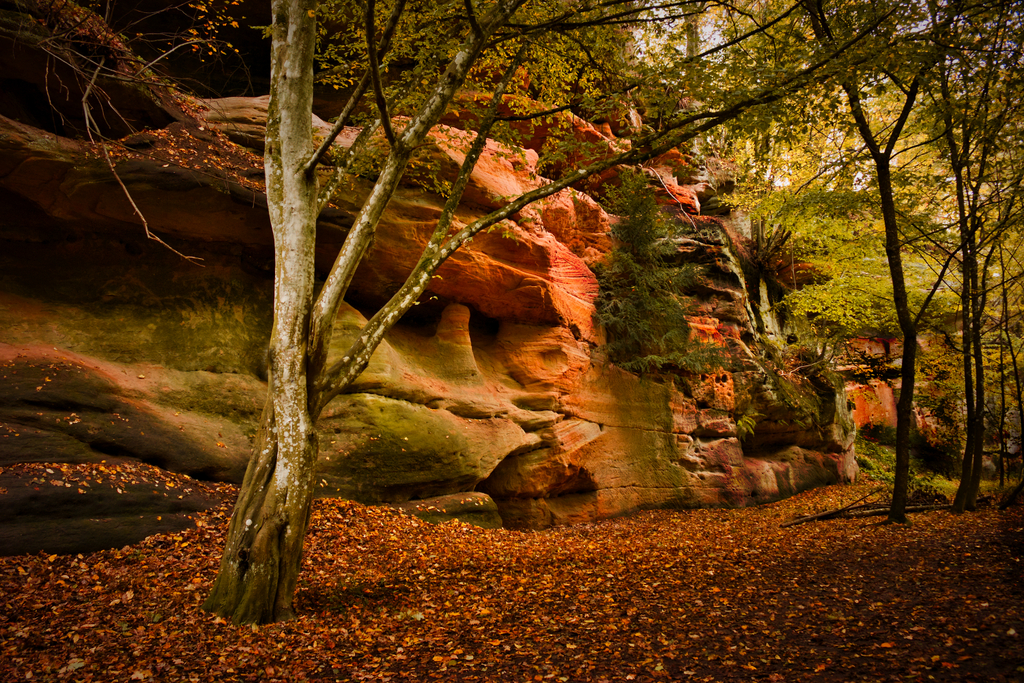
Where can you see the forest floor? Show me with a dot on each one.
(697, 595)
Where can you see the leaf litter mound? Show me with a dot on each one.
(696, 595)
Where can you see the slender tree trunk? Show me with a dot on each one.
(908, 369)
(1002, 373)
(882, 148)
(980, 300)
(959, 156)
(974, 364)
(1008, 501)
(1002, 412)
(882, 157)
(693, 33)
(263, 551)
(967, 298)
(1019, 391)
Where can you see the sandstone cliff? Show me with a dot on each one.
(496, 388)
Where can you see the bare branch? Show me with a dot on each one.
(138, 212)
(156, 59)
(361, 234)
(678, 130)
(829, 513)
(471, 14)
(362, 347)
(343, 166)
(657, 143)
(357, 94)
(89, 124)
(378, 88)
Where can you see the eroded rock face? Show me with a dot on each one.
(496, 386)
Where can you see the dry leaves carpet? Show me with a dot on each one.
(703, 595)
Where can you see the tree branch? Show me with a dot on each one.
(361, 234)
(357, 94)
(676, 132)
(351, 154)
(378, 89)
(89, 125)
(371, 334)
(471, 14)
(829, 513)
(345, 371)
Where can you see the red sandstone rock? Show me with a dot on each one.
(504, 387)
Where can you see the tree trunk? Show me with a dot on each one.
(1019, 393)
(969, 270)
(882, 148)
(908, 325)
(1002, 378)
(1012, 496)
(979, 302)
(262, 555)
(974, 369)
(263, 551)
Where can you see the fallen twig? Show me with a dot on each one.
(828, 513)
(885, 510)
(867, 510)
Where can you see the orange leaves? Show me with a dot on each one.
(703, 595)
(195, 147)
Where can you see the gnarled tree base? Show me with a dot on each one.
(263, 551)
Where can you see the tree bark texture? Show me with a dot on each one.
(263, 551)
(979, 301)
(968, 244)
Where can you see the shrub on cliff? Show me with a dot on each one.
(642, 304)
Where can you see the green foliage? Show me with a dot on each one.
(642, 304)
(879, 435)
(835, 227)
(941, 396)
(876, 457)
(427, 37)
(746, 424)
(642, 223)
